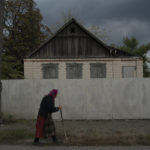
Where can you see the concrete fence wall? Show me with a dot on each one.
(81, 99)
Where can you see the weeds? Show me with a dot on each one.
(8, 119)
(80, 133)
(15, 135)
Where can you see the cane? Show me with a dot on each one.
(61, 114)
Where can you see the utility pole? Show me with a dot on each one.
(2, 2)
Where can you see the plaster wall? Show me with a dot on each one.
(80, 99)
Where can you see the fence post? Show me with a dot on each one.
(1, 48)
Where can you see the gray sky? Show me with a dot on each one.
(118, 17)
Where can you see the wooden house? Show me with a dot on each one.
(75, 53)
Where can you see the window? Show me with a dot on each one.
(50, 71)
(129, 71)
(98, 70)
(72, 30)
(73, 71)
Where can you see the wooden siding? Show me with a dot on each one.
(72, 44)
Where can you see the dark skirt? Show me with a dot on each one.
(49, 126)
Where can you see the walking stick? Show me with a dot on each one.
(61, 114)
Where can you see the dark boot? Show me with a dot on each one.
(36, 140)
(54, 138)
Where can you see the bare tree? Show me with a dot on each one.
(93, 28)
(1, 47)
(65, 17)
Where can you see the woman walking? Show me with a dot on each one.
(44, 119)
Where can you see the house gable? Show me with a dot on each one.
(72, 40)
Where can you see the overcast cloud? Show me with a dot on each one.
(118, 17)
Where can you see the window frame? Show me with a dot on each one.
(135, 67)
(74, 74)
(49, 66)
(97, 75)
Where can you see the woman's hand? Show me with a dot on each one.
(59, 107)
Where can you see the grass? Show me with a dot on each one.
(14, 130)
(15, 135)
(105, 140)
(19, 131)
(9, 119)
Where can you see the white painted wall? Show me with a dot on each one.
(33, 67)
(80, 99)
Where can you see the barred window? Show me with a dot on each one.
(73, 71)
(50, 71)
(129, 71)
(98, 70)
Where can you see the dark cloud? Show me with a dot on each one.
(119, 17)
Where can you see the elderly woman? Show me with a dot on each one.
(45, 125)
